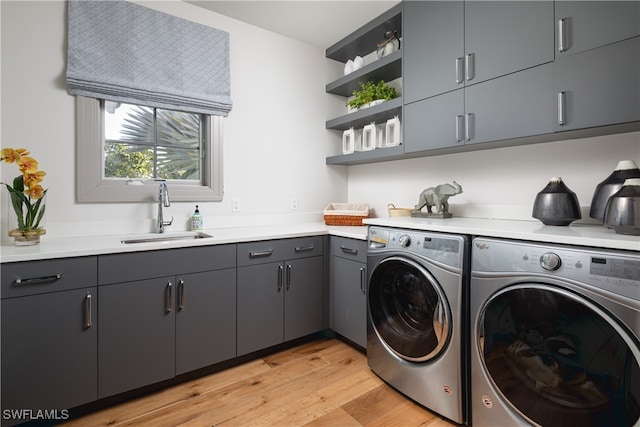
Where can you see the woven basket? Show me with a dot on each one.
(394, 212)
(346, 213)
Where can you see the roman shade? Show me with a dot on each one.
(124, 52)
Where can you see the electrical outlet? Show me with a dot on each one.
(294, 203)
(235, 204)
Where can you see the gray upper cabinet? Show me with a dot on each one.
(598, 87)
(584, 25)
(280, 291)
(448, 45)
(49, 334)
(514, 106)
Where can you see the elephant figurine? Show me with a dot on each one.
(437, 198)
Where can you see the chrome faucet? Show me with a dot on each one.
(163, 200)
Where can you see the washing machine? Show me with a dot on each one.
(417, 303)
(555, 335)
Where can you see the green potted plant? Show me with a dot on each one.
(371, 92)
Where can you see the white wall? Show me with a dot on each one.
(275, 141)
(497, 183)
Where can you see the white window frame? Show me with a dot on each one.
(92, 187)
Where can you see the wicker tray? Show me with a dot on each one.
(346, 213)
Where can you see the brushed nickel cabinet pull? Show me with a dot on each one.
(562, 35)
(181, 302)
(87, 311)
(349, 250)
(561, 119)
(33, 280)
(289, 267)
(169, 297)
(363, 279)
(280, 277)
(470, 66)
(259, 254)
(304, 248)
(459, 71)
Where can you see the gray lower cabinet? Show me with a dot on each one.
(349, 288)
(49, 334)
(163, 313)
(280, 291)
(598, 87)
(514, 106)
(137, 330)
(585, 25)
(205, 319)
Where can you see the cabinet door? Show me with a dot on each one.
(435, 122)
(49, 350)
(503, 37)
(205, 319)
(433, 39)
(514, 106)
(260, 306)
(598, 87)
(304, 306)
(136, 343)
(584, 25)
(349, 299)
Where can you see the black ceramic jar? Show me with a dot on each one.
(556, 204)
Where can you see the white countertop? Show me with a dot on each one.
(576, 234)
(50, 248)
(581, 235)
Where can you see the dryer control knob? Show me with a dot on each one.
(405, 241)
(550, 261)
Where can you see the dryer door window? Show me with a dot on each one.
(558, 359)
(408, 309)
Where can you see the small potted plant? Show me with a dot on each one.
(371, 94)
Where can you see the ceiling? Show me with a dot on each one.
(320, 23)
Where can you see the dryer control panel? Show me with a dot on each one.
(446, 249)
(615, 271)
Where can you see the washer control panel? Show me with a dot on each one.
(615, 271)
(443, 248)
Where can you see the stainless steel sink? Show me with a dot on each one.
(166, 238)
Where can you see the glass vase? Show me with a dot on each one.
(24, 235)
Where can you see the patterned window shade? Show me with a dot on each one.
(125, 52)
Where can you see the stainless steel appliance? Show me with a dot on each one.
(416, 316)
(555, 335)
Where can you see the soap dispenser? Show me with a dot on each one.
(196, 221)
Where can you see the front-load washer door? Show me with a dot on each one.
(409, 311)
(559, 359)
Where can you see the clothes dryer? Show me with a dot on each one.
(555, 338)
(417, 305)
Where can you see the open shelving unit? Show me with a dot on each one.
(361, 43)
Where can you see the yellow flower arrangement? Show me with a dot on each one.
(26, 194)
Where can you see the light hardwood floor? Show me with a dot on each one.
(322, 383)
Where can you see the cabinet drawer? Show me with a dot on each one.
(127, 267)
(279, 250)
(352, 249)
(37, 277)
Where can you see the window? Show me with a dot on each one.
(123, 148)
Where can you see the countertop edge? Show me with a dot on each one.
(586, 235)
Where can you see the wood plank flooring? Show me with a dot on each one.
(322, 383)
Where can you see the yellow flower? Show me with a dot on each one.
(9, 155)
(35, 192)
(31, 179)
(27, 165)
